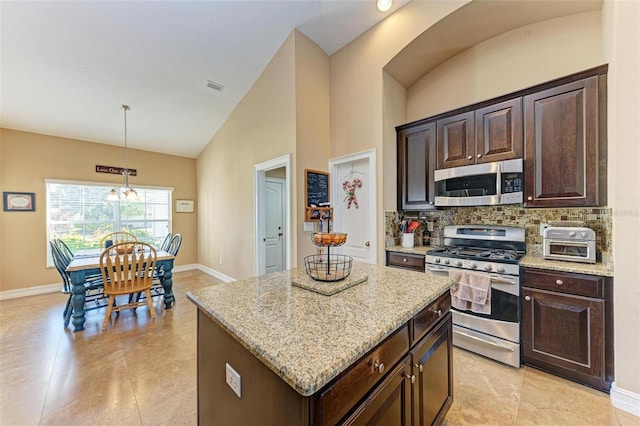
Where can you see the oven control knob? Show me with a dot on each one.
(583, 234)
(437, 260)
(458, 263)
(572, 233)
(473, 265)
(487, 267)
(500, 268)
(446, 261)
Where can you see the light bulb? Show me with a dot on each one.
(113, 195)
(131, 195)
(384, 5)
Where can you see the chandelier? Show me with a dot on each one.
(130, 194)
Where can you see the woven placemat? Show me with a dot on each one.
(328, 288)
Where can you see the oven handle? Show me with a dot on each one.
(506, 348)
(437, 268)
(502, 280)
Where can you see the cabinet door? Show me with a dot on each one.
(563, 333)
(433, 367)
(456, 141)
(561, 145)
(390, 402)
(416, 163)
(499, 131)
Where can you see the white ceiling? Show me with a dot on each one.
(67, 66)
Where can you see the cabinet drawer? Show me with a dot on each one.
(409, 261)
(340, 396)
(562, 282)
(425, 319)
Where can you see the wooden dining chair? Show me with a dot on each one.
(93, 286)
(117, 238)
(127, 269)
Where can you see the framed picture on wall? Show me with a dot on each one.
(19, 201)
(185, 206)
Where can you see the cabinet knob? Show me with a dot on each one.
(419, 367)
(527, 298)
(530, 198)
(438, 312)
(404, 259)
(469, 157)
(367, 243)
(479, 156)
(378, 366)
(559, 282)
(410, 377)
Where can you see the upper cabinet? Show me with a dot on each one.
(565, 148)
(416, 163)
(490, 133)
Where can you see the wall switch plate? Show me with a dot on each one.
(234, 380)
(308, 226)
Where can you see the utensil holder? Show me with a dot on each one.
(407, 240)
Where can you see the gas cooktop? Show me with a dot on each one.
(477, 253)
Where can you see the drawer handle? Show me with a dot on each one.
(411, 377)
(527, 298)
(378, 366)
(438, 312)
(419, 367)
(559, 282)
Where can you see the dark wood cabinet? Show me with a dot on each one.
(416, 163)
(456, 141)
(414, 262)
(565, 151)
(567, 324)
(499, 131)
(390, 402)
(432, 360)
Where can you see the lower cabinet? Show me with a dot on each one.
(432, 361)
(567, 324)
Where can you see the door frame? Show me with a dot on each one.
(259, 175)
(336, 189)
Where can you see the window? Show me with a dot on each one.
(79, 214)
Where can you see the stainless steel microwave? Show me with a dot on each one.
(483, 184)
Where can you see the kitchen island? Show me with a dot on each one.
(305, 358)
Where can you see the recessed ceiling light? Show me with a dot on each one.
(384, 5)
(215, 86)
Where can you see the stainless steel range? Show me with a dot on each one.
(493, 251)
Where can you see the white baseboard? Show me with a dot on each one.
(30, 291)
(216, 274)
(625, 400)
(54, 288)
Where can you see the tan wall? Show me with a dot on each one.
(261, 127)
(28, 159)
(621, 41)
(312, 125)
(511, 61)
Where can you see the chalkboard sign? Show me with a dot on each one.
(316, 187)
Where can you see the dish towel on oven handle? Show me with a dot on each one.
(470, 291)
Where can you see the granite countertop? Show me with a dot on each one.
(308, 338)
(421, 250)
(534, 259)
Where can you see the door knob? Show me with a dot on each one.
(367, 244)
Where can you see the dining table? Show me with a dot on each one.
(86, 262)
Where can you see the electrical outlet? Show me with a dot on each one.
(234, 380)
(543, 226)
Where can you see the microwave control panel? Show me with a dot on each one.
(511, 182)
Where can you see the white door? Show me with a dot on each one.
(354, 205)
(274, 224)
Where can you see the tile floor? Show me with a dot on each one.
(141, 371)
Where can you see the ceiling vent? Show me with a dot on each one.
(215, 86)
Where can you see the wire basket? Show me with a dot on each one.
(328, 239)
(322, 267)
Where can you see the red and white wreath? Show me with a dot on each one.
(350, 190)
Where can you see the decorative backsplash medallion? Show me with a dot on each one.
(596, 218)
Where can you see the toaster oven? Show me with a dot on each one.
(569, 244)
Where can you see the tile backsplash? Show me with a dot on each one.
(596, 218)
